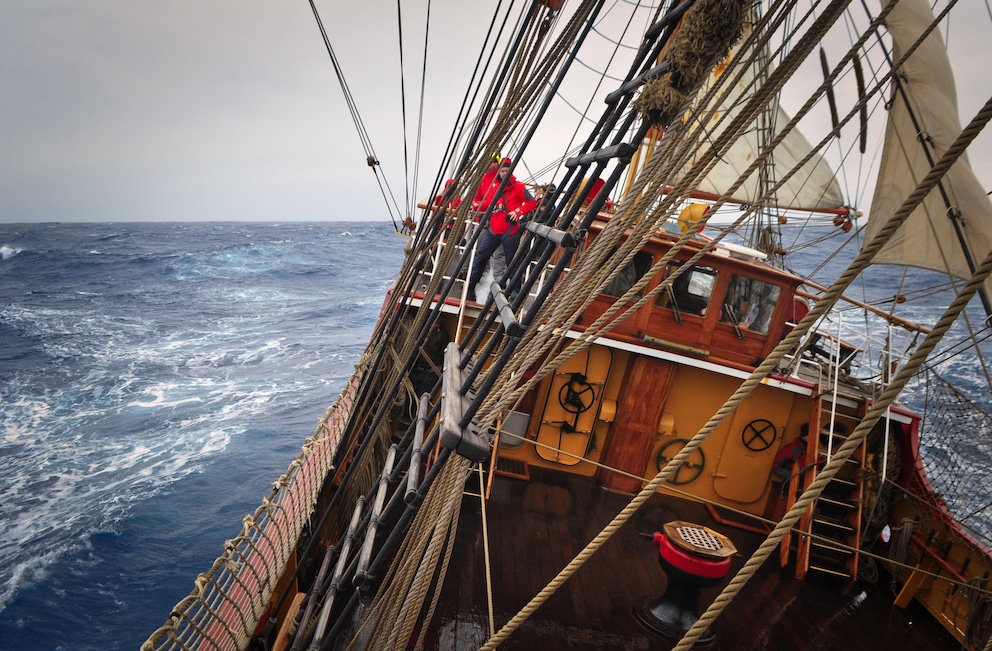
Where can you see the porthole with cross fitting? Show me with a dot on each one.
(758, 435)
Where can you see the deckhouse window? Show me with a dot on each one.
(749, 303)
(630, 274)
(690, 293)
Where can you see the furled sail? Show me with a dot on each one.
(812, 187)
(927, 94)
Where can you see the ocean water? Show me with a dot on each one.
(154, 380)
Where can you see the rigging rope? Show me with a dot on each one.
(371, 159)
(411, 207)
(406, 155)
(891, 392)
(767, 366)
(418, 568)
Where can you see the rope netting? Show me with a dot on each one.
(229, 599)
(955, 451)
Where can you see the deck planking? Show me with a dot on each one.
(537, 527)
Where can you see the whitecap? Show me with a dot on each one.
(8, 252)
(29, 571)
(158, 398)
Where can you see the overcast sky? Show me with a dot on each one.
(193, 109)
(117, 110)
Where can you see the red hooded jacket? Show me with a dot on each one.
(512, 200)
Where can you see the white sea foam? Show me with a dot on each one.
(159, 398)
(32, 570)
(64, 485)
(142, 391)
(25, 418)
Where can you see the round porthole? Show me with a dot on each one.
(758, 435)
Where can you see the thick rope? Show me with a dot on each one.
(826, 302)
(877, 411)
(452, 517)
(593, 270)
(396, 608)
(443, 528)
(891, 392)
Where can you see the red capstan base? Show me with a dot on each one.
(689, 568)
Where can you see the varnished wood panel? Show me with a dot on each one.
(642, 399)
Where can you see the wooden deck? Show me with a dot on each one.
(536, 527)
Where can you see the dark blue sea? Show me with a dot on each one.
(154, 380)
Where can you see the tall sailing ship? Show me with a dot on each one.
(601, 446)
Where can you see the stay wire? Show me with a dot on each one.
(371, 158)
(420, 112)
(406, 155)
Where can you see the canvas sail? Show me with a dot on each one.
(812, 187)
(928, 238)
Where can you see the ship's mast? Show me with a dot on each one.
(764, 233)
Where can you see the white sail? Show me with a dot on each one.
(928, 238)
(812, 187)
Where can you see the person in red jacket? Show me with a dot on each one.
(453, 202)
(792, 456)
(486, 183)
(509, 207)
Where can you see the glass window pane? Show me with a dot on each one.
(690, 292)
(633, 272)
(750, 303)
